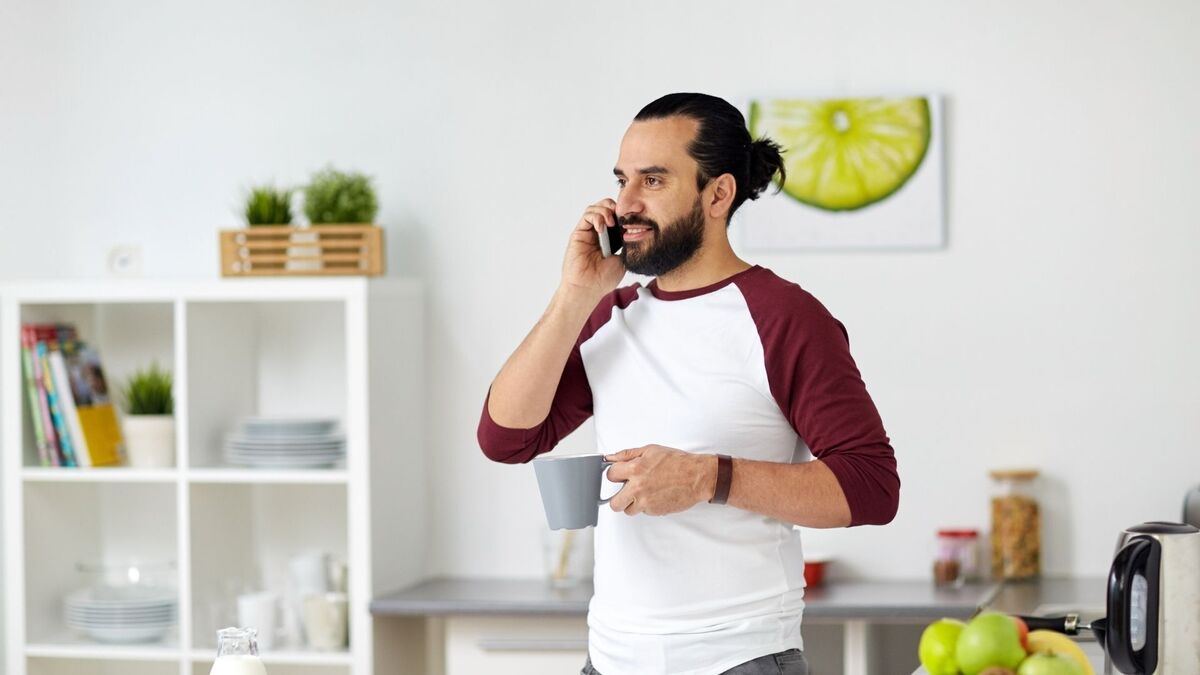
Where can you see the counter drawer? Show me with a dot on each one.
(515, 645)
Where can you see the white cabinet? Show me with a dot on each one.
(515, 645)
(349, 348)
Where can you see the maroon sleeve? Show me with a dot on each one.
(817, 385)
(572, 402)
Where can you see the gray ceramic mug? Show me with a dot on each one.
(570, 487)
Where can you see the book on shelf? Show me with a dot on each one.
(73, 408)
(66, 402)
(47, 341)
(39, 410)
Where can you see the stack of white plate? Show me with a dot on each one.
(285, 443)
(122, 614)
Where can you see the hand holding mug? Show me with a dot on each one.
(661, 480)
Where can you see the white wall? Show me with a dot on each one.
(1056, 330)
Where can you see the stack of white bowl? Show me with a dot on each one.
(122, 614)
(285, 443)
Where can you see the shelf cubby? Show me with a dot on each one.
(261, 358)
(127, 335)
(72, 523)
(243, 536)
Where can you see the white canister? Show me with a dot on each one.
(326, 620)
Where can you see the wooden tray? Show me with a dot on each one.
(321, 250)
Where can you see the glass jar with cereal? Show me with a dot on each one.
(1016, 525)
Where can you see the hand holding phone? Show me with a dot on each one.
(587, 266)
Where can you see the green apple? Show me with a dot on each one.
(938, 644)
(1049, 664)
(990, 639)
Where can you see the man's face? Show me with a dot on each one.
(658, 203)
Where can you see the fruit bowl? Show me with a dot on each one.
(993, 643)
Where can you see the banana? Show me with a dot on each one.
(1057, 643)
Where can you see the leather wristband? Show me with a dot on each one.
(724, 479)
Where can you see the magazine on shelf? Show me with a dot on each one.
(93, 403)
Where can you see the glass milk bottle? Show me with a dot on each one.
(237, 653)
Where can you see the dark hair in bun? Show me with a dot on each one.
(723, 144)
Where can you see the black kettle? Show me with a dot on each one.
(1153, 622)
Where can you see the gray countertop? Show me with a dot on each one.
(1047, 597)
(837, 600)
(894, 600)
(483, 596)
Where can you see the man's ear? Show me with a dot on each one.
(723, 188)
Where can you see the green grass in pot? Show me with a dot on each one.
(269, 206)
(339, 197)
(148, 392)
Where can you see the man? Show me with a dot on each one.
(699, 569)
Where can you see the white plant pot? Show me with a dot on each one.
(150, 441)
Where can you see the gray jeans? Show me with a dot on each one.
(790, 662)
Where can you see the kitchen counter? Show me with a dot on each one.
(915, 600)
(884, 600)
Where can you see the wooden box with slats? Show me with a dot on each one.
(272, 250)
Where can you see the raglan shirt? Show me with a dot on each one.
(752, 366)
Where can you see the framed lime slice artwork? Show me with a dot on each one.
(861, 173)
(844, 154)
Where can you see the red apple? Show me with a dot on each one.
(1023, 631)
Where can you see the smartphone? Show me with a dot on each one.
(612, 240)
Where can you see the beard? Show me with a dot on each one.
(666, 249)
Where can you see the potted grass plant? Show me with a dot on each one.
(268, 205)
(149, 422)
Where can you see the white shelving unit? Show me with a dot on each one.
(349, 348)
